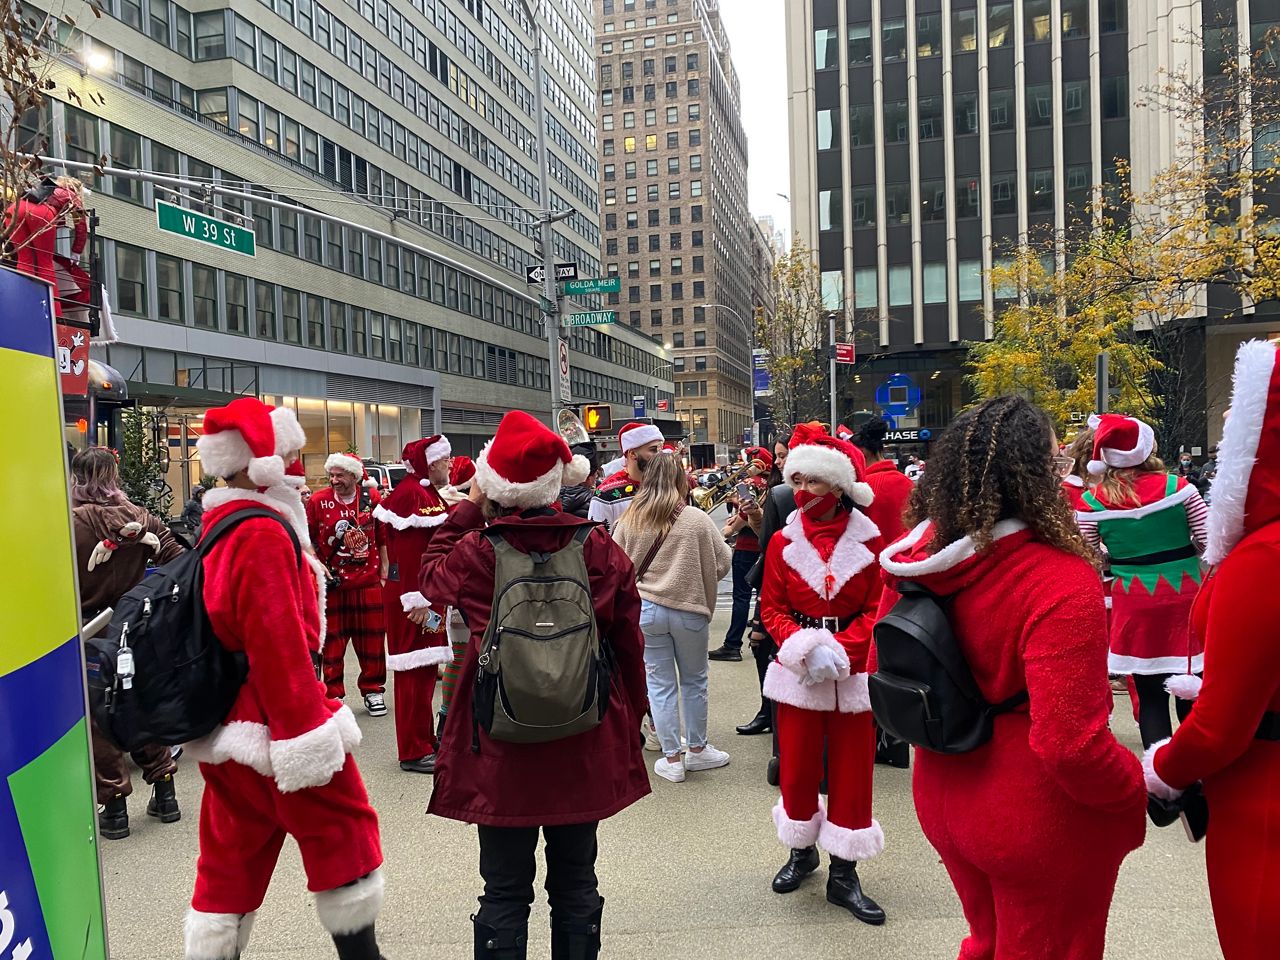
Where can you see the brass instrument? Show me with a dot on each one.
(571, 428)
(707, 499)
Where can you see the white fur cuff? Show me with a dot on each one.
(216, 936)
(784, 685)
(804, 641)
(848, 844)
(311, 760)
(1156, 786)
(414, 600)
(416, 659)
(1184, 686)
(852, 695)
(353, 907)
(797, 834)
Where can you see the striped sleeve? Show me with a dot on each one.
(1089, 528)
(1198, 519)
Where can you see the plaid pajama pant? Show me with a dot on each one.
(355, 615)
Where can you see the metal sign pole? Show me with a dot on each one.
(831, 341)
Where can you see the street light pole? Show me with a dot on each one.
(831, 348)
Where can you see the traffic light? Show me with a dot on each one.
(597, 417)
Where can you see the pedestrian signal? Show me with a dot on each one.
(597, 417)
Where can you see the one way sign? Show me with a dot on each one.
(564, 271)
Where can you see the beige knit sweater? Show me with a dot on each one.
(690, 563)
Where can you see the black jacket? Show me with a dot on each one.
(778, 506)
(576, 500)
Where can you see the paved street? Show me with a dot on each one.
(685, 870)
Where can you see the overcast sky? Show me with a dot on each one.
(757, 34)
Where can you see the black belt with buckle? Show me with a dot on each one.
(834, 624)
(1269, 728)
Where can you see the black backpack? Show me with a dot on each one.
(923, 691)
(158, 674)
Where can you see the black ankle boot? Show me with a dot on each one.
(845, 890)
(760, 723)
(576, 938)
(892, 752)
(113, 819)
(493, 944)
(164, 802)
(440, 718)
(361, 945)
(799, 865)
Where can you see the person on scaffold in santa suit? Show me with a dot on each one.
(818, 601)
(408, 517)
(1231, 741)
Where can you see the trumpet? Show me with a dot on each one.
(707, 499)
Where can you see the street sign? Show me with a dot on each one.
(664, 406)
(921, 435)
(638, 407)
(597, 285)
(592, 318)
(196, 226)
(845, 353)
(564, 371)
(564, 271)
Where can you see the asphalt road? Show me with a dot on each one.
(685, 871)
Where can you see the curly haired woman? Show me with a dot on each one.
(1033, 825)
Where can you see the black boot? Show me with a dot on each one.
(361, 945)
(164, 802)
(576, 938)
(440, 717)
(761, 723)
(844, 890)
(772, 774)
(892, 752)
(492, 944)
(799, 865)
(113, 819)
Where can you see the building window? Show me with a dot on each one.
(1004, 194)
(1000, 109)
(1075, 101)
(337, 327)
(131, 280)
(897, 203)
(237, 288)
(900, 285)
(1113, 15)
(655, 292)
(291, 312)
(935, 283)
(82, 135)
(126, 152)
(1075, 18)
(1000, 24)
(169, 304)
(204, 296)
(893, 39)
(245, 43)
(1040, 105)
(969, 285)
(1115, 97)
(968, 197)
(859, 42)
(929, 35)
(1037, 24)
(864, 288)
(929, 117)
(964, 31)
(1041, 197)
(359, 333)
(315, 322)
(699, 338)
(830, 210)
(897, 121)
(933, 200)
(210, 35)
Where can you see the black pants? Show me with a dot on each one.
(743, 561)
(1153, 708)
(508, 866)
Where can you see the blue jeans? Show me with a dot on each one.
(743, 561)
(675, 659)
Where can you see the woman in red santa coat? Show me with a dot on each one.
(1231, 741)
(280, 763)
(1032, 826)
(818, 602)
(408, 517)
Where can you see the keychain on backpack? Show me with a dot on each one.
(124, 660)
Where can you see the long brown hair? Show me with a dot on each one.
(992, 464)
(666, 487)
(95, 477)
(1080, 450)
(1117, 483)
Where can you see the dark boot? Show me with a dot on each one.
(113, 819)
(576, 938)
(761, 723)
(844, 890)
(491, 944)
(361, 945)
(892, 752)
(164, 802)
(440, 717)
(799, 865)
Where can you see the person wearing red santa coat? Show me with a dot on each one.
(280, 763)
(563, 787)
(345, 536)
(1231, 740)
(640, 443)
(1033, 824)
(889, 485)
(407, 518)
(818, 601)
(461, 475)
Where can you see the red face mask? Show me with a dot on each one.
(814, 506)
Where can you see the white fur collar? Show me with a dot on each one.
(1133, 513)
(849, 557)
(420, 520)
(279, 499)
(946, 558)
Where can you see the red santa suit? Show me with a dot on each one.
(345, 538)
(407, 518)
(280, 763)
(1231, 741)
(820, 592)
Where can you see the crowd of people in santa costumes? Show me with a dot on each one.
(1152, 524)
(742, 528)
(345, 537)
(407, 518)
(1229, 746)
(279, 765)
(818, 602)
(640, 443)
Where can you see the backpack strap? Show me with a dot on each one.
(498, 541)
(233, 520)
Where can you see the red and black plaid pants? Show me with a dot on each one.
(354, 614)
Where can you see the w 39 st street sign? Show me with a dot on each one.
(196, 226)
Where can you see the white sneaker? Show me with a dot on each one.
(650, 735)
(375, 705)
(672, 770)
(707, 759)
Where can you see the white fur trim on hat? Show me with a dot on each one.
(798, 834)
(1155, 785)
(419, 520)
(1184, 686)
(438, 450)
(850, 844)
(638, 437)
(267, 471)
(416, 659)
(612, 467)
(346, 462)
(1238, 451)
(1120, 459)
(216, 936)
(576, 471)
(830, 466)
(539, 492)
(289, 433)
(353, 907)
(223, 454)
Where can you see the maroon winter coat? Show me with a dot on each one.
(511, 784)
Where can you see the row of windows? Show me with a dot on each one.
(653, 215)
(648, 68)
(651, 167)
(658, 317)
(968, 282)
(609, 147)
(632, 194)
(675, 292)
(675, 241)
(693, 112)
(649, 43)
(649, 92)
(674, 267)
(629, 5)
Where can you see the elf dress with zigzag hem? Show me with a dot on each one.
(1156, 566)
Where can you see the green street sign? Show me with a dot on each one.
(196, 226)
(598, 285)
(590, 319)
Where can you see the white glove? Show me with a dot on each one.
(823, 663)
(101, 554)
(152, 541)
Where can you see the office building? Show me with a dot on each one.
(673, 180)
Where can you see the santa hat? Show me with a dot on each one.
(761, 456)
(1120, 442)
(295, 474)
(367, 481)
(843, 432)
(241, 436)
(347, 463)
(613, 466)
(461, 473)
(437, 448)
(634, 435)
(525, 464)
(816, 454)
(290, 437)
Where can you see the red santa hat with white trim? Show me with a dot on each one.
(419, 455)
(816, 454)
(1120, 442)
(347, 463)
(526, 464)
(241, 436)
(461, 472)
(633, 435)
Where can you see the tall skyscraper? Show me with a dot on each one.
(673, 181)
